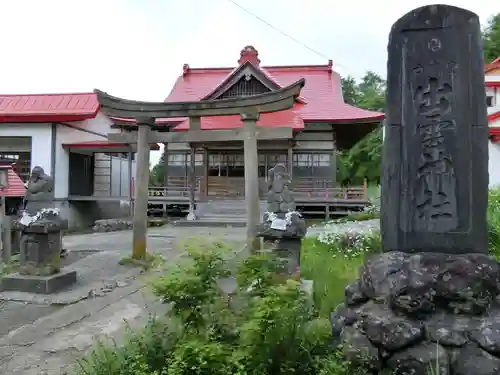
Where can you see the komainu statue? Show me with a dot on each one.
(282, 225)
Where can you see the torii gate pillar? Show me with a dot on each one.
(250, 118)
(140, 219)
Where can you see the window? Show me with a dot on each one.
(198, 159)
(214, 160)
(176, 159)
(489, 101)
(311, 160)
(184, 159)
(246, 86)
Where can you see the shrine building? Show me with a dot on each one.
(66, 135)
(322, 123)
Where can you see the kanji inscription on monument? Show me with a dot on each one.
(435, 159)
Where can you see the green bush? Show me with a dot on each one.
(494, 222)
(269, 326)
(142, 353)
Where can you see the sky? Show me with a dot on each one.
(135, 49)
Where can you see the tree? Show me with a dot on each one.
(350, 90)
(491, 39)
(363, 160)
(372, 92)
(157, 174)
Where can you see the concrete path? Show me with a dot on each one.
(45, 334)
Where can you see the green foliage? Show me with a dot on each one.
(277, 332)
(150, 261)
(143, 352)
(332, 261)
(493, 214)
(8, 268)
(491, 39)
(157, 173)
(364, 159)
(368, 94)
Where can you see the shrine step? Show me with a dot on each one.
(220, 213)
(212, 223)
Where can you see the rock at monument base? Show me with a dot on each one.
(423, 310)
(39, 284)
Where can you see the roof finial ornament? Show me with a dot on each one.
(250, 54)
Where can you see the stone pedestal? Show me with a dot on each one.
(40, 284)
(287, 249)
(408, 313)
(40, 255)
(286, 241)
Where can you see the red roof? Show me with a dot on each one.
(321, 98)
(48, 107)
(284, 119)
(16, 185)
(104, 144)
(495, 64)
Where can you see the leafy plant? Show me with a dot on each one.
(145, 352)
(493, 215)
(491, 39)
(277, 332)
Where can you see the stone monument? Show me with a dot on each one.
(429, 304)
(282, 226)
(41, 227)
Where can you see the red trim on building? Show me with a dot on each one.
(494, 132)
(493, 84)
(494, 116)
(495, 64)
(103, 144)
(48, 107)
(16, 188)
(284, 119)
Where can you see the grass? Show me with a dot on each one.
(7, 269)
(330, 275)
(373, 191)
(150, 261)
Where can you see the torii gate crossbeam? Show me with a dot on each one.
(145, 113)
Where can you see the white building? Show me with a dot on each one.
(65, 134)
(492, 73)
(492, 78)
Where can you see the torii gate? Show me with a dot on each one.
(145, 114)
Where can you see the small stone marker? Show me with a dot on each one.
(41, 228)
(435, 158)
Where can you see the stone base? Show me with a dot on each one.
(287, 249)
(39, 284)
(415, 313)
